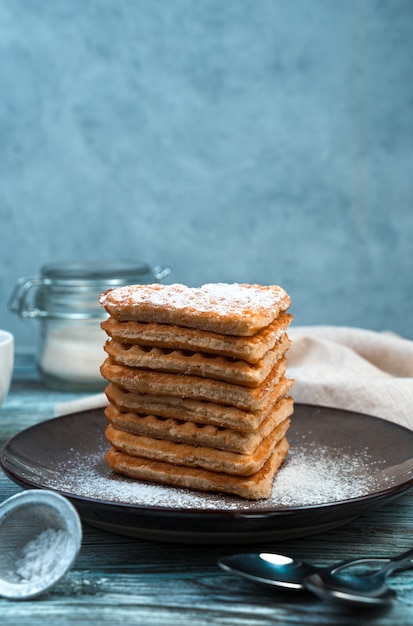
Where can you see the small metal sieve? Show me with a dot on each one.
(40, 537)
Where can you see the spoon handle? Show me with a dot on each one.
(396, 561)
(371, 560)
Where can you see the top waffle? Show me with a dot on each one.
(230, 309)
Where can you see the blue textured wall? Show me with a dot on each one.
(235, 140)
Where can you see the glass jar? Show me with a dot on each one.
(65, 298)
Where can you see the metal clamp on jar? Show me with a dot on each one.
(65, 299)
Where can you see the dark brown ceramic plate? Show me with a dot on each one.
(340, 464)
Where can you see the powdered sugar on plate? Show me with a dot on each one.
(318, 475)
(310, 476)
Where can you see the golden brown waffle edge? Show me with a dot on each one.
(255, 487)
(198, 434)
(250, 349)
(197, 456)
(184, 386)
(177, 361)
(194, 410)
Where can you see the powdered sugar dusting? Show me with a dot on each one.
(41, 556)
(225, 299)
(320, 475)
(310, 476)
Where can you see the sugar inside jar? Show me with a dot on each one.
(64, 297)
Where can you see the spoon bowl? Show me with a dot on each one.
(40, 537)
(274, 570)
(347, 588)
(277, 570)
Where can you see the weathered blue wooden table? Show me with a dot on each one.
(122, 580)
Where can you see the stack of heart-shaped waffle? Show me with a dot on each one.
(197, 391)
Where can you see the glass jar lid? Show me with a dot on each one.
(71, 289)
(114, 272)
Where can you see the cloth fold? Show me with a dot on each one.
(347, 368)
(96, 401)
(355, 369)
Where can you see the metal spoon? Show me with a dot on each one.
(40, 536)
(357, 590)
(277, 570)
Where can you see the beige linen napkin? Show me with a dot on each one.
(355, 369)
(96, 401)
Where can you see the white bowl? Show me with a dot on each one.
(6, 362)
